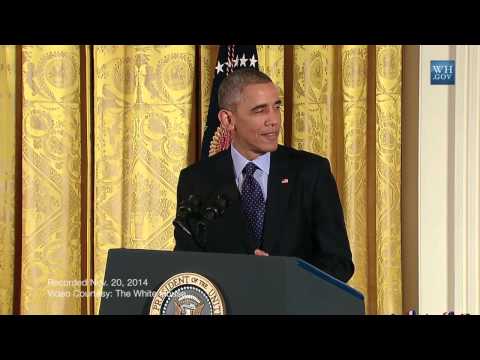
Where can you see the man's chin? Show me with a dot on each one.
(270, 148)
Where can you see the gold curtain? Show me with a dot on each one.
(50, 180)
(143, 115)
(7, 176)
(388, 178)
(106, 130)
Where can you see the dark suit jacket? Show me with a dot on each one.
(303, 217)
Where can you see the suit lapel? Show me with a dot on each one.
(280, 182)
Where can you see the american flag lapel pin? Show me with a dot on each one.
(285, 181)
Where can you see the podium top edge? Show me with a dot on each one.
(327, 277)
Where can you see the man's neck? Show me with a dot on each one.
(249, 155)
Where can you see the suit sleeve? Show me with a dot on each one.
(183, 241)
(331, 249)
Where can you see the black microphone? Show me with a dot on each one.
(194, 220)
(186, 210)
(216, 209)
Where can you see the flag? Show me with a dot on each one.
(230, 58)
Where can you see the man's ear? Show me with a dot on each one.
(225, 118)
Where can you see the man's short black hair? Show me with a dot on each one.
(230, 90)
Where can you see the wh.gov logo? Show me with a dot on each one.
(442, 72)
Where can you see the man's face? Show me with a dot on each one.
(256, 120)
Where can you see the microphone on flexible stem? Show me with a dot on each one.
(186, 210)
(194, 220)
(216, 209)
(208, 215)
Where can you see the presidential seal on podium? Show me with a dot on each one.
(188, 294)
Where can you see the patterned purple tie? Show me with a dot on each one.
(253, 202)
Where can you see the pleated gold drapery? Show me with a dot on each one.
(50, 179)
(7, 177)
(145, 107)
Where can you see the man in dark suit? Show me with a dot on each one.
(281, 201)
